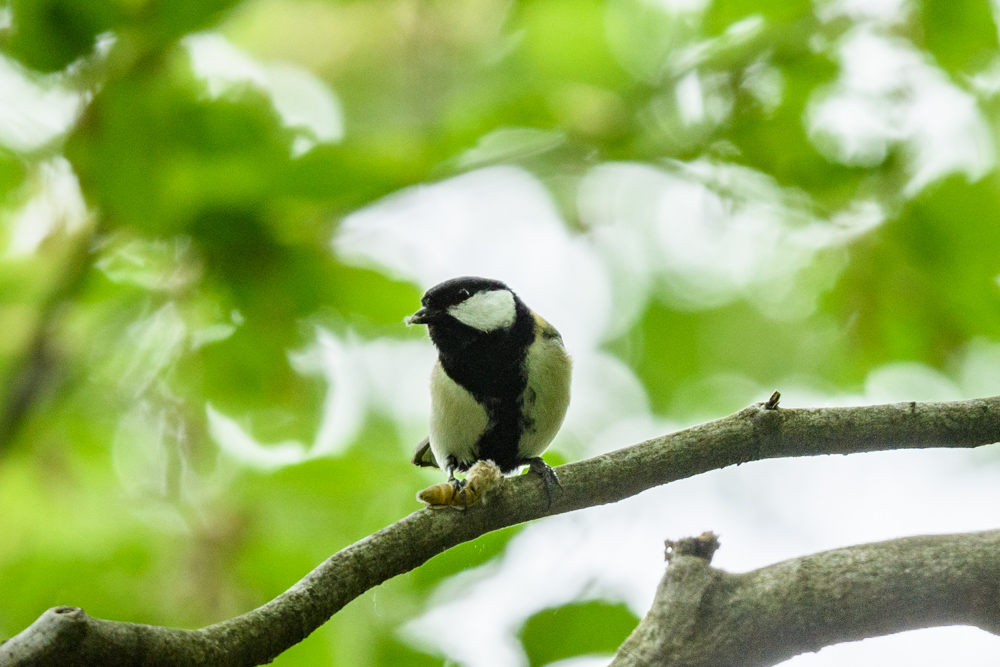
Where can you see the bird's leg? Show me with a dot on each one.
(538, 466)
(449, 468)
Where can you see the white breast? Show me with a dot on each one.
(457, 419)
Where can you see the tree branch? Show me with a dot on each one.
(704, 617)
(760, 431)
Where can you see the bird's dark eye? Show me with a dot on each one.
(464, 293)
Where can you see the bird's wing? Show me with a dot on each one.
(424, 457)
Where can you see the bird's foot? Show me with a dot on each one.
(538, 466)
(482, 478)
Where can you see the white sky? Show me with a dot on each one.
(34, 109)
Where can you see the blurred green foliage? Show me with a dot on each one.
(576, 629)
(201, 215)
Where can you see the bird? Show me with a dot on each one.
(501, 385)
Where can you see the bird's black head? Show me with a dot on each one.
(482, 331)
(480, 304)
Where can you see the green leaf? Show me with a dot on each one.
(50, 34)
(961, 35)
(581, 628)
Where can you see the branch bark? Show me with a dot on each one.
(67, 636)
(705, 617)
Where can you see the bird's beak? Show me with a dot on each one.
(422, 316)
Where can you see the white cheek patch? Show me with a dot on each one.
(486, 311)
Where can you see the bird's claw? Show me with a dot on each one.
(549, 477)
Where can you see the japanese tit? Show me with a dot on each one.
(500, 387)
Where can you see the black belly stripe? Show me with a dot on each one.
(499, 443)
